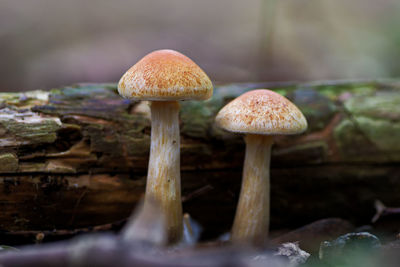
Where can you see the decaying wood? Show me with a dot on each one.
(77, 156)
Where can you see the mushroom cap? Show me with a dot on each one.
(165, 75)
(261, 112)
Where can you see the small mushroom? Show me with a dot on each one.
(164, 77)
(260, 114)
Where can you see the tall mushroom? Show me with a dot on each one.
(260, 114)
(164, 77)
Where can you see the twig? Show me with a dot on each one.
(382, 210)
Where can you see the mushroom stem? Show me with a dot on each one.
(163, 178)
(252, 215)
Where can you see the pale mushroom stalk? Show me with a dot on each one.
(165, 77)
(252, 213)
(260, 114)
(163, 178)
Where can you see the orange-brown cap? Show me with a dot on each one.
(261, 112)
(165, 75)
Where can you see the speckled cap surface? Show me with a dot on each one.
(165, 75)
(261, 112)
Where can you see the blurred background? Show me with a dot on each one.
(48, 43)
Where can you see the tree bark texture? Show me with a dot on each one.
(77, 156)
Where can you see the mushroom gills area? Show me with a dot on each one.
(252, 215)
(163, 178)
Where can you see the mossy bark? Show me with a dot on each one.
(77, 156)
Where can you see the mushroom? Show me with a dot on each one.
(164, 77)
(260, 114)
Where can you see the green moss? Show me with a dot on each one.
(350, 141)
(382, 105)
(384, 134)
(9, 98)
(44, 131)
(376, 121)
(197, 116)
(334, 90)
(8, 162)
(29, 98)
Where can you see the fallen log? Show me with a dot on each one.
(77, 156)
